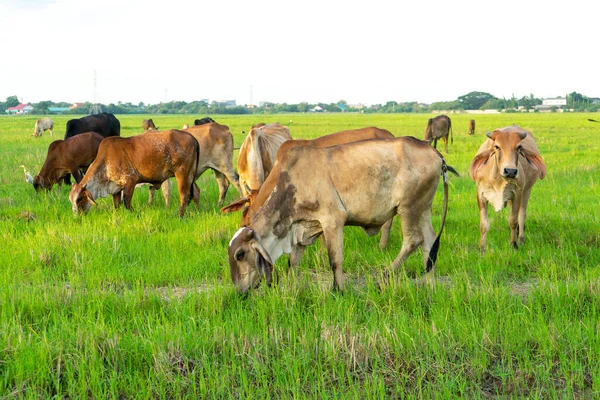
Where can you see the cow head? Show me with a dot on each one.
(81, 199)
(39, 183)
(249, 262)
(506, 147)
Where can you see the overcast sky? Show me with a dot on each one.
(293, 51)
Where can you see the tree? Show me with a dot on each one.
(42, 107)
(12, 101)
(474, 100)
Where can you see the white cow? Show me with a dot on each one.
(43, 124)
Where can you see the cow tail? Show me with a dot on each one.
(197, 147)
(436, 244)
(450, 127)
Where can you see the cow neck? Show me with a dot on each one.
(275, 244)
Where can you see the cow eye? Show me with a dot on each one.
(497, 148)
(519, 148)
(240, 255)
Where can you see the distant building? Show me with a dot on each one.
(316, 109)
(223, 103)
(556, 102)
(76, 105)
(22, 108)
(58, 110)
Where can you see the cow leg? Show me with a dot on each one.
(186, 188)
(435, 143)
(412, 238)
(128, 195)
(151, 192)
(76, 174)
(334, 240)
(484, 223)
(523, 215)
(513, 222)
(385, 233)
(51, 132)
(223, 184)
(166, 192)
(445, 139)
(117, 198)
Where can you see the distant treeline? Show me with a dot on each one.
(470, 101)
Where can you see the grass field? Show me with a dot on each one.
(120, 304)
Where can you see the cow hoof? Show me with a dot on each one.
(514, 245)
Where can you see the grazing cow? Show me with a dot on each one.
(257, 154)
(67, 157)
(505, 168)
(439, 127)
(42, 125)
(151, 157)
(254, 201)
(104, 123)
(203, 121)
(472, 127)
(148, 125)
(216, 144)
(320, 190)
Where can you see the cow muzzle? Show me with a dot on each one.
(510, 173)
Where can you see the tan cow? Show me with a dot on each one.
(320, 190)
(67, 157)
(439, 127)
(151, 157)
(249, 205)
(148, 125)
(41, 125)
(257, 154)
(505, 169)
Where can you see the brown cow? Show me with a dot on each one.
(148, 125)
(67, 157)
(320, 190)
(505, 169)
(152, 158)
(254, 201)
(472, 127)
(439, 127)
(257, 154)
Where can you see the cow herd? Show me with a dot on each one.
(295, 191)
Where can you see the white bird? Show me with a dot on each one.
(28, 177)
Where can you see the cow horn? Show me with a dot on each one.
(489, 134)
(249, 235)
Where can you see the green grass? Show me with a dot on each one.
(119, 304)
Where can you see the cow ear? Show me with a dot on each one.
(236, 205)
(537, 161)
(479, 161)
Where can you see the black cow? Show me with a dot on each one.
(104, 123)
(203, 121)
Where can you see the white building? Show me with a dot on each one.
(557, 102)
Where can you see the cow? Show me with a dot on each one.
(104, 123)
(216, 144)
(472, 127)
(185, 126)
(67, 157)
(42, 125)
(151, 157)
(505, 169)
(320, 190)
(257, 154)
(439, 127)
(203, 121)
(250, 204)
(148, 125)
